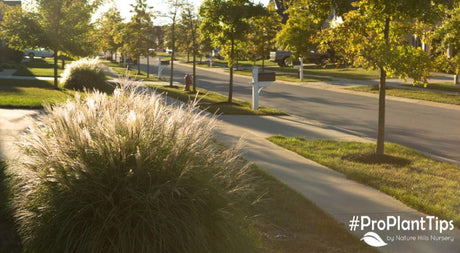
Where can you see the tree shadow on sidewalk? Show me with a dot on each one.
(9, 238)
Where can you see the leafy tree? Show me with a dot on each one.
(263, 31)
(373, 35)
(175, 6)
(137, 30)
(61, 25)
(447, 39)
(191, 22)
(109, 26)
(66, 25)
(305, 20)
(225, 22)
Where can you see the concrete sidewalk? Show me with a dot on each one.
(330, 190)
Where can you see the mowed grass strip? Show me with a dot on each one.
(30, 93)
(214, 102)
(39, 67)
(427, 185)
(44, 72)
(413, 94)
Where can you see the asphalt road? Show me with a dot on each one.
(429, 129)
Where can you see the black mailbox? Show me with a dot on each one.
(295, 63)
(267, 77)
(164, 62)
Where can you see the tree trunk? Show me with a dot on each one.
(230, 86)
(382, 85)
(62, 62)
(148, 63)
(171, 75)
(55, 68)
(138, 64)
(194, 57)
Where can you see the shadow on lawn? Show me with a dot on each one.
(38, 63)
(13, 85)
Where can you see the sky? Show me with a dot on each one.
(159, 6)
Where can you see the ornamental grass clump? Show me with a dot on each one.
(86, 74)
(126, 173)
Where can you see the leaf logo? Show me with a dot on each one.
(373, 240)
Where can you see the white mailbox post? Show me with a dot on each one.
(300, 67)
(161, 66)
(260, 81)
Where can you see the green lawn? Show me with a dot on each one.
(30, 93)
(421, 182)
(44, 72)
(132, 73)
(445, 86)
(214, 102)
(38, 67)
(413, 94)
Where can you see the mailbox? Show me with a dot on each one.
(295, 63)
(267, 77)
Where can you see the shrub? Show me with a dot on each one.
(86, 74)
(125, 173)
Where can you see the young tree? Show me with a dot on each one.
(175, 6)
(373, 36)
(263, 30)
(190, 19)
(21, 29)
(226, 22)
(447, 41)
(305, 20)
(66, 25)
(108, 27)
(61, 25)
(137, 30)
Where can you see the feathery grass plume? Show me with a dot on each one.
(127, 173)
(86, 73)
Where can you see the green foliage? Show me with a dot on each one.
(360, 40)
(227, 21)
(126, 173)
(305, 20)
(263, 30)
(108, 30)
(85, 74)
(21, 29)
(446, 37)
(66, 25)
(135, 34)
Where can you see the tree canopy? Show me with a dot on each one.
(225, 22)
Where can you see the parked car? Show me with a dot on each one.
(39, 52)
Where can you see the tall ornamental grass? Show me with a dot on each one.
(85, 74)
(126, 173)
